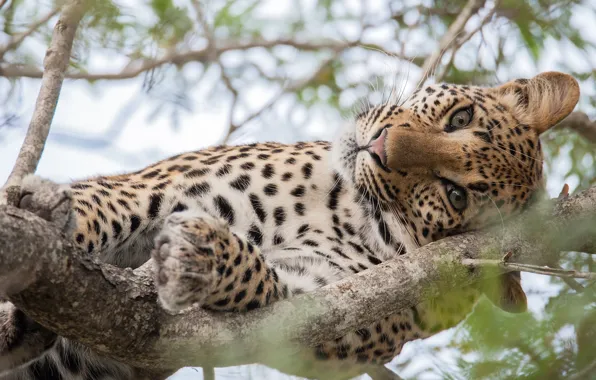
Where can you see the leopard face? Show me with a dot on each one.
(453, 158)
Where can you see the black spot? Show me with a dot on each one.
(224, 170)
(257, 206)
(260, 288)
(198, 189)
(195, 173)
(263, 156)
(286, 176)
(268, 171)
(151, 174)
(479, 186)
(247, 166)
(484, 136)
(270, 189)
(307, 170)
(180, 207)
(279, 214)
(80, 238)
(255, 235)
(310, 243)
(290, 161)
(254, 304)
(364, 334)
(116, 228)
(222, 302)
(241, 183)
(90, 247)
(240, 296)
(334, 193)
(154, 205)
(247, 275)
(224, 209)
(299, 208)
(135, 222)
(298, 191)
(303, 228)
(278, 239)
(96, 226)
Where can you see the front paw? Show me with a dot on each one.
(48, 200)
(188, 254)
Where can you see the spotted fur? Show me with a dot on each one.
(234, 228)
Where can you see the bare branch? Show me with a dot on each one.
(16, 40)
(580, 123)
(296, 86)
(459, 42)
(133, 69)
(432, 61)
(147, 337)
(55, 63)
(545, 270)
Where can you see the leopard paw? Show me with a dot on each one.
(188, 254)
(48, 200)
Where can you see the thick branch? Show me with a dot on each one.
(55, 63)
(35, 262)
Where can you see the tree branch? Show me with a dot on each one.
(133, 69)
(55, 62)
(580, 122)
(16, 40)
(457, 27)
(147, 337)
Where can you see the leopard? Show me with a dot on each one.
(237, 228)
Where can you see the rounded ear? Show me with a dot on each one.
(543, 101)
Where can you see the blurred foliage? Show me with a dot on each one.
(372, 49)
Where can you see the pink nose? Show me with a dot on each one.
(377, 147)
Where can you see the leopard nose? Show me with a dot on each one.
(376, 147)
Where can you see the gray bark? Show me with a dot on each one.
(115, 311)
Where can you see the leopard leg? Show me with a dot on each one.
(199, 260)
(21, 339)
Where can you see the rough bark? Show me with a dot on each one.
(55, 64)
(115, 311)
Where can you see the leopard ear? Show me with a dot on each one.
(507, 293)
(541, 102)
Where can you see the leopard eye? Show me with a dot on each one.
(460, 119)
(457, 197)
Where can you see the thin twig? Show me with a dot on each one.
(55, 63)
(459, 42)
(584, 373)
(549, 271)
(298, 85)
(16, 40)
(580, 123)
(469, 10)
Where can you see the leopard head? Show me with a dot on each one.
(454, 158)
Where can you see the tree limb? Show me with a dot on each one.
(580, 122)
(457, 27)
(133, 69)
(56, 62)
(35, 261)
